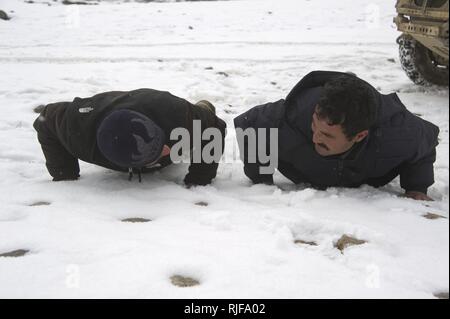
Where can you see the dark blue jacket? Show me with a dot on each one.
(400, 143)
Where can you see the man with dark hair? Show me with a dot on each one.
(335, 130)
(122, 131)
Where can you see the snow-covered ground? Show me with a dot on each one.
(237, 54)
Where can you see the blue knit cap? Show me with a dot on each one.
(129, 139)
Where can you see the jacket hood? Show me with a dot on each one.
(388, 105)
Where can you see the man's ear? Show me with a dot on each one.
(361, 135)
(165, 151)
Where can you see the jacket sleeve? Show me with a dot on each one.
(264, 116)
(203, 173)
(60, 163)
(417, 174)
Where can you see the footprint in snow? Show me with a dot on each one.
(346, 241)
(136, 220)
(225, 74)
(433, 216)
(15, 253)
(304, 242)
(184, 282)
(41, 203)
(202, 204)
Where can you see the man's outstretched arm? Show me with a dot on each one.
(415, 178)
(417, 174)
(264, 116)
(203, 173)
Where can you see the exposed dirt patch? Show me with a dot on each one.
(347, 241)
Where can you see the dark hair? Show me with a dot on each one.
(350, 102)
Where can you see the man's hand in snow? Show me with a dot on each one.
(418, 196)
(65, 178)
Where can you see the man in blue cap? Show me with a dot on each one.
(122, 131)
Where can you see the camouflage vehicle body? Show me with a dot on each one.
(424, 43)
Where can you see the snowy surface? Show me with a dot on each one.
(242, 244)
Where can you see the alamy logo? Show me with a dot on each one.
(208, 146)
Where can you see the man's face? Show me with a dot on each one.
(330, 139)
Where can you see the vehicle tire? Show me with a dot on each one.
(421, 64)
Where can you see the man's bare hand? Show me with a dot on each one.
(418, 196)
